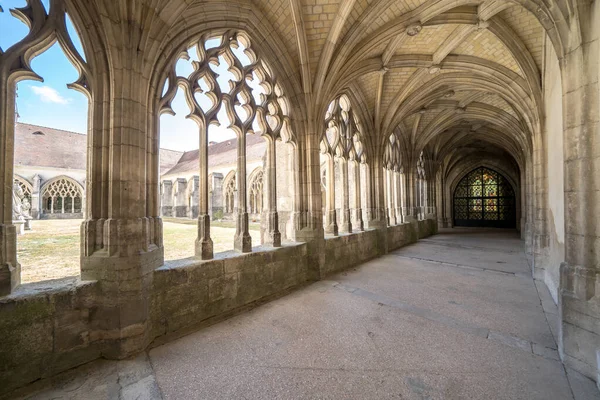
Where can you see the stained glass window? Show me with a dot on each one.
(484, 198)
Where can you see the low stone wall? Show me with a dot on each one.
(426, 227)
(187, 292)
(45, 329)
(401, 235)
(49, 327)
(348, 250)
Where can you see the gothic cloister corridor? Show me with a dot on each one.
(376, 199)
(454, 316)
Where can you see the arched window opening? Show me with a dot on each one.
(392, 176)
(256, 193)
(47, 110)
(422, 200)
(230, 195)
(62, 198)
(342, 152)
(484, 198)
(232, 96)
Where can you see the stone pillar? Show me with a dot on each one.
(36, 197)
(122, 234)
(410, 196)
(179, 198)
(204, 243)
(216, 194)
(242, 240)
(398, 197)
(192, 195)
(386, 196)
(166, 208)
(331, 226)
(272, 235)
(346, 224)
(357, 197)
(392, 197)
(579, 301)
(370, 212)
(10, 270)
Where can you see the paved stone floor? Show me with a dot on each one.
(455, 316)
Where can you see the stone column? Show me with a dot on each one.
(216, 195)
(357, 197)
(204, 243)
(410, 195)
(167, 198)
(346, 224)
(179, 198)
(391, 197)
(386, 196)
(579, 302)
(36, 199)
(272, 234)
(331, 219)
(370, 212)
(397, 197)
(192, 193)
(243, 240)
(10, 270)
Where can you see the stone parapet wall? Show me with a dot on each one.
(53, 326)
(46, 329)
(401, 235)
(348, 250)
(187, 292)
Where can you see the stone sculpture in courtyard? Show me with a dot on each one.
(20, 209)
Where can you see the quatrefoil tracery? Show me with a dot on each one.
(230, 83)
(342, 132)
(392, 159)
(45, 29)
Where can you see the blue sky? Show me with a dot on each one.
(51, 103)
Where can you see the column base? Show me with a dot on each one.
(410, 218)
(204, 244)
(242, 241)
(346, 227)
(10, 269)
(272, 236)
(273, 239)
(10, 278)
(331, 226)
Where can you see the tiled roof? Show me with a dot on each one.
(220, 153)
(40, 146)
(46, 147)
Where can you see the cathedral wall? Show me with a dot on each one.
(548, 268)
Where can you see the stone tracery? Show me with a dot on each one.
(231, 83)
(341, 142)
(62, 196)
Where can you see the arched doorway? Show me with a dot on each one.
(484, 198)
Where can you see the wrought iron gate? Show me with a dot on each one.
(484, 198)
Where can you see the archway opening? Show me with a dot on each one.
(484, 198)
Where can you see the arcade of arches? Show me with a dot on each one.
(388, 119)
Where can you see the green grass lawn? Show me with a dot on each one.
(51, 249)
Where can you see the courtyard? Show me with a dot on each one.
(50, 250)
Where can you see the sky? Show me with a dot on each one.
(52, 104)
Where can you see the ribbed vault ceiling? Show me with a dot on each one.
(421, 69)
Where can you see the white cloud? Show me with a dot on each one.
(49, 95)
